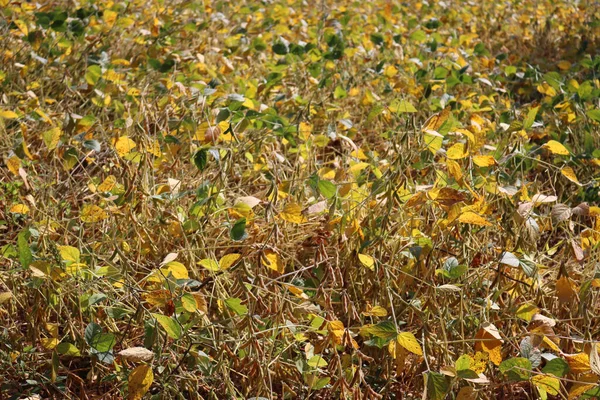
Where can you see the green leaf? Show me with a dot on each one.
(25, 256)
(201, 159)
(238, 230)
(437, 385)
(530, 118)
(68, 349)
(171, 326)
(101, 342)
(236, 306)
(516, 369)
(557, 367)
(594, 114)
(327, 189)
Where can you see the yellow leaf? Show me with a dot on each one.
(5, 296)
(272, 260)
(49, 343)
(52, 137)
(123, 145)
(336, 330)
(139, 382)
(457, 151)
(228, 260)
(586, 382)
(390, 71)
(480, 360)
(435, 122)
(564, 65)
(470, 217)
(8, 115)
(367, 261)
(305, 130)
(556, 148)
(22, 26)
(109, 17)
(20, 209)
(487, 340)
(578, 363)
(108, 184)
(454, 169)
(569, 174)
(484, 161)
(375, 311)
(292, 212)
(409, 342)
(14, 163)
(177, 269)
(91, 213)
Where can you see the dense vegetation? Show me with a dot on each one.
(298, 199)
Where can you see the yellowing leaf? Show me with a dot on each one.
(139, 382)
(123, 145)
(228, 260)
(209, 264)
(8, 114)
(409, 342)
(433, 141)
(69, 253)
(456, 152)
(91, 213)
(548, 383)
(569, 174)
(367, 261)
(52, 137)
(484, 161)
(527, 311)
(271, 259)
(556, 148)
(20, 209)
(470, 217)
(292, 212)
